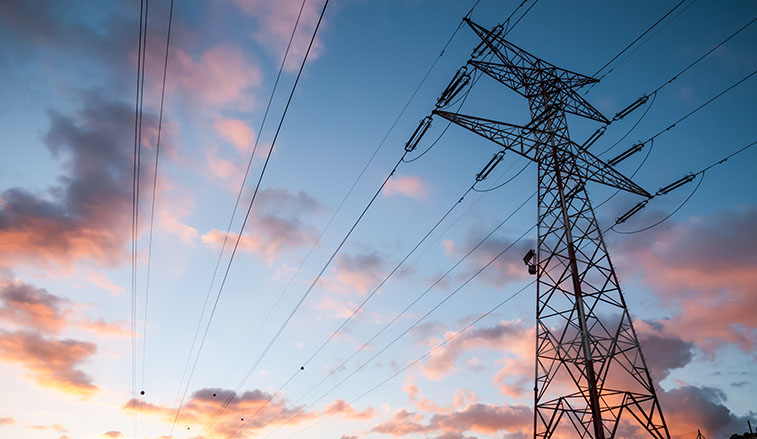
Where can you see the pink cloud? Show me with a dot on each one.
(407, 185)
(276, 21)
(237, 132)
(449, 246)
(700, 265)
(337, 309)
(221, 168)
(444, 360)
(101, 280)
(173, 224)
(275, 227)
(358, 273)
(221, 76)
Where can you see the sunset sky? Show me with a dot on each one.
(68, 72)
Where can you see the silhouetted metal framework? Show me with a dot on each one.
(590, 371)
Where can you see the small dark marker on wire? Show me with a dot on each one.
(142, 392)
(302, 367)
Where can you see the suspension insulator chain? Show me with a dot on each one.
(594, 137)
(634, 210)
(459, 82)
(626, 111)
(675, 185)
(490, 166)
(625, 154)
(423, 126)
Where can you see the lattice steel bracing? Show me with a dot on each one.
(590, 372)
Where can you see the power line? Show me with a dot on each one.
(252, 201)
(649, 38)
(358, 178)
(142, 37)
(415, 301)
(653, 94)
(360, 307)
(636, 40)
(635, 125)
(398, 316)
(667, 217)
(675, 185)
(305, 295)
(639, 146)
(154, 191)
(317, 278)
(286, 383)
(419, 359)
(709, 101)
(416, 323)
(240, 192)
(695, 62)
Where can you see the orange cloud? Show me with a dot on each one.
(342, 408)
(690, 408)
(108, 329)
(51, 363)
(407, 185)
(83, 217)
(30, 307)
(203, 405)
(480, 418)
(113, 434)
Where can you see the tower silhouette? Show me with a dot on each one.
(590, 371)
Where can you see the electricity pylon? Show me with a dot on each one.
(590, 371)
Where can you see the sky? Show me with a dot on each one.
(68, 367)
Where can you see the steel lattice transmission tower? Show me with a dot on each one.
(590, 372)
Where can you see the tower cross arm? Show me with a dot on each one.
(524, 79)
(515, 138)
(524, 141)
(509, 53)
(596, 170)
